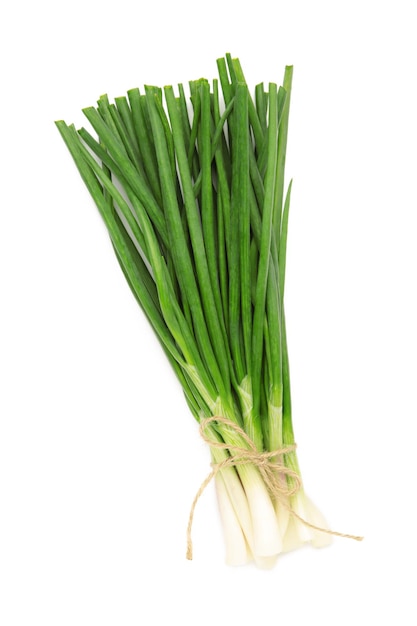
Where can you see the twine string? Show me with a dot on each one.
(270, 465)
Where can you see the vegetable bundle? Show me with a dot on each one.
(192, 194)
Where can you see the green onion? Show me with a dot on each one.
(193, 197)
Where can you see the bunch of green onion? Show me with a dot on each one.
(192, 194)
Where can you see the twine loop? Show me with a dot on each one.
(270, 465)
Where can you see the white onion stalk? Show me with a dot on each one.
(237, 551)
(266, 531)
(234, 491)
(275, 443)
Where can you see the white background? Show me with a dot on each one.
(99, 455)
